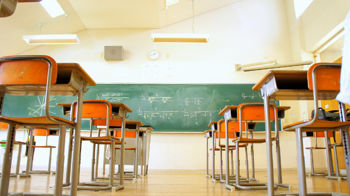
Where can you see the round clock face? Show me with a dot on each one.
(153, 55)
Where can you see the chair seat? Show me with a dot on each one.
(125, 148)
(248, 140)
(16, 142)
(105, 142)
(318, 124)
(104, 138)
(44, 146)
(42, 120)
(315, 147)
(234, 146)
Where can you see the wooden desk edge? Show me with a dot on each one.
(113, 104)
(77, 68)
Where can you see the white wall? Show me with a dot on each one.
(240, 33)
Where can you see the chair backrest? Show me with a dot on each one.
(128, 134)
(26, 71)
(233, 128)
(321, 134)
(94, 109)
(40, 132)
(327, 76)
(254, 111)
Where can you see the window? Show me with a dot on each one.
(300, 6)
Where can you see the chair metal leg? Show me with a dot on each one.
(69, 158)
(300, 162)
(246, 162)
(76, 149)
(50, 157)
(104, 156)
(221, 169)
(6, 166)
(232, 164)
(93, 162)
(60, 161)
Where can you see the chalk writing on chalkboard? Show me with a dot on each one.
(252, 96)
(112, 96)
(39, 107)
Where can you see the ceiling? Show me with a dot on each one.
(95, 14)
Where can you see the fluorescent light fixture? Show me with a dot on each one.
(268, 65)
(52, 7)
(180, 38)
(51, 39)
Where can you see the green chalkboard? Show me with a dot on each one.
(167, 107)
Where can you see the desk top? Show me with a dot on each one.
(212, 122)
(66, 68)
(222, 112)
(114, 105)
(299, 78)
(207, 131)
(147, 128)
(291, 85)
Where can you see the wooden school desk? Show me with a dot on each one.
(145, 132)
(290, 85)
(119, 110)
(71, 81)
(231, 114)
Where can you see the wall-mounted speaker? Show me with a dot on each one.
(114, 53)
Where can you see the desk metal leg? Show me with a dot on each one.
(136, 173)
(346, 138)
(60, 161)
(142, 155)
(270, 181)
(30, 152)
(213, 159)
(76, 148)
(6, 166)
(207, 158)
(18, 158)
(122, 156)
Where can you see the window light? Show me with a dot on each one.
(300, 6)
(52, 7)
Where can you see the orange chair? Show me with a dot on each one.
(132, 132)
(101, 113)
(42, 132)
(252, 112)
(317, 135)
(323, 79)
(220, 134)
(31, 75)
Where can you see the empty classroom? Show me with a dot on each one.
(174, 97)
